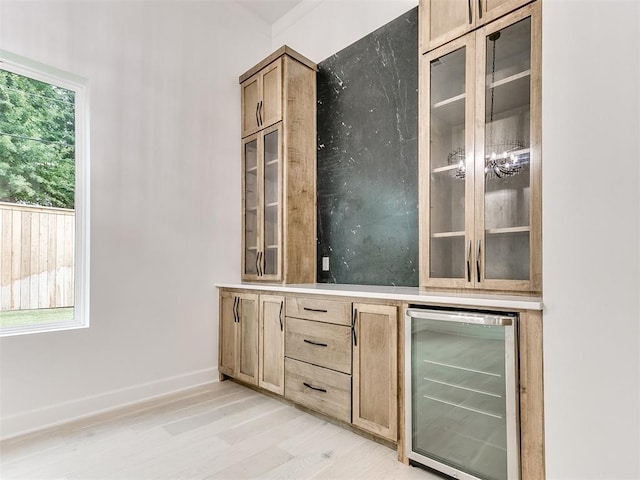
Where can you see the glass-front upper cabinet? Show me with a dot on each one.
(508, 236)
(480, 158)
(447, 184)
(262, 187)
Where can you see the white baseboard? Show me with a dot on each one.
(53, 415)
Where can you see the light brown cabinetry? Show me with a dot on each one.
(271, 343)
(279, 169)
(320, 389)
(375, 369)
(480, 163)
(318, 355)
(238, 347)
(444, 20)
(262, 98)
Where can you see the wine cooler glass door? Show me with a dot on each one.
(462, 384)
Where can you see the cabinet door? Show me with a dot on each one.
(251, 93)
(489, 10)
(262, 99)
(227, 333)
(375, 372)
(270, 110)
(507, 236)
(270, 259)
(272, 343)
(247, 339)
(445, 20)
(251, 206)
(446, 164)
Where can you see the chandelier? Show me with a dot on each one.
(505, 159)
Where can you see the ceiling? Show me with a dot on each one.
(269, 10)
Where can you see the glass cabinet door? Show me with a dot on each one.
(271, 206)
(504, 158)
(250, 201)
(449, 99)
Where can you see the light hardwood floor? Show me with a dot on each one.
(219, 431)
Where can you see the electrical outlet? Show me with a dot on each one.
(325, 264)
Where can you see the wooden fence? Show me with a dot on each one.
(36, 257)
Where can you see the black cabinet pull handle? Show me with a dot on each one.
(320, 310)
(257, 118)
(235, 311)
(469, 261)
(353, 327)
(314, 388)
(314, 343)
(480, 8)
(260, 113)
(260, 268)
(257, 267)
(478, 260)
(470, 17)
(281, 324)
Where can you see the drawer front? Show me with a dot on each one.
(322, 344)
(321, 310)
(318, 388)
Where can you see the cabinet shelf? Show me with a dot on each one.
(508, 92)
(252, 169)
(447, 101)
(506, 230)
(271, 247)
(447, 234)
(446, 168)
(272, 204)
(271, 162)
(251, 209)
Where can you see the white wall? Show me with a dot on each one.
(591, 183)
(319, 28)
(165, 188)
(591, 217)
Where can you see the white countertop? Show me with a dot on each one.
(405, 294)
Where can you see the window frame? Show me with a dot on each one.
(23, 66)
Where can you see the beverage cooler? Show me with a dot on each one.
(461, 392)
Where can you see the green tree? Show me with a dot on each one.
(37, 142)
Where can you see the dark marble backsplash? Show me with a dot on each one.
(367, 158)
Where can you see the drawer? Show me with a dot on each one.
(323, 344)
(318, 388)
(328, 311)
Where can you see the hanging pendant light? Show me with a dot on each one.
(505, 158)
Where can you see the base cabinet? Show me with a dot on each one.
(375, 367)
(340, 357)
(238, 348)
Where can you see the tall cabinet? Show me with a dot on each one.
(480, 164)
(279, 169)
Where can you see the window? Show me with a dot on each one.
(44, 198)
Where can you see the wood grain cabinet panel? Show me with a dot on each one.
(317, 388)
(444, 20)
(375, 369)
(329, 311)
(323, 344)
(238, 346)
(271, 351)
(262, 99)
